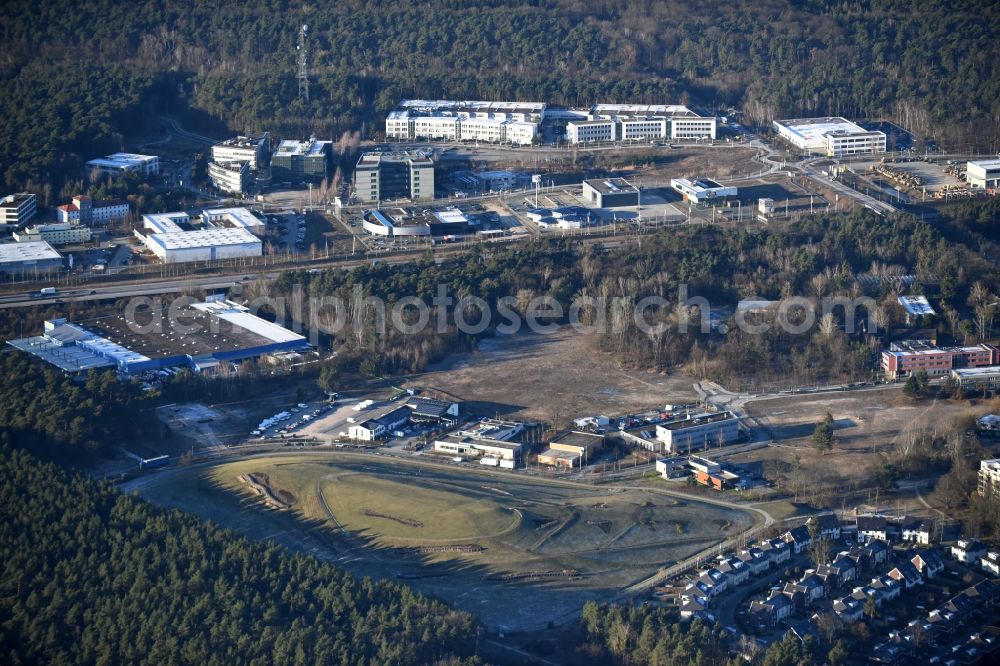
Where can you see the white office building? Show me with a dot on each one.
(983, 174)
(833, 137)
(231, 177)
(254, 150)
(587, 131)
(702, 191)
(698, 431)
(121, 163)
(18, 209)
(449, 120)
(638, 122)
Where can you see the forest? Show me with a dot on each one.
(94, 576)
(616, 634)
(54, 416)
(82, 76)
(813, 258)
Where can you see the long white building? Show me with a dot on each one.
(18, 209)
(638, 122)
(449, 120)
(222, 233)
(55, 234)
(833, 137)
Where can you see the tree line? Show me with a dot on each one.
(815, 258)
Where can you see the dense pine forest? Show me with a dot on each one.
(91, 575)
(815, 257)
(79, 76)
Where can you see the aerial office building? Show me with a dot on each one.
(637, 122)
(449, 120)
(387, 176)
(254, 150)
(18, 209)
(833, 137)
(232, 177)
(703, 191)
(302, 161)
(121, 163)
(906, 357)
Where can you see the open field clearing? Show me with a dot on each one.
(552, 377)
(515, 550)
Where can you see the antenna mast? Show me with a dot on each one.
(303, 74)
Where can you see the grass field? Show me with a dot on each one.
(516, 550)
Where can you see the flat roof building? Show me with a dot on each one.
(638, 122)
(231, 177)
(466, 445)
(610, 192)
(60, 233)
(254, 150)
(983, 174)
(224, 233)
(398, 222)
(302, 161)
(121, 163)
(397, 175)
(986, 378)
(472, 120)
(198, 336)
(694, 432)
(18, 209)
(831, 136)
(30, 257)
(989, 477)
(703, 191)
(571, 448)
(906, 357)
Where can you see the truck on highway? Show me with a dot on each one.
(44, 291)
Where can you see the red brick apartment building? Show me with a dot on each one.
(908, 356)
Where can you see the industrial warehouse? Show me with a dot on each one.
(199, 336)
(221, 233)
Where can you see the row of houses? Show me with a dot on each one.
(729, 572)
(911, 530)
